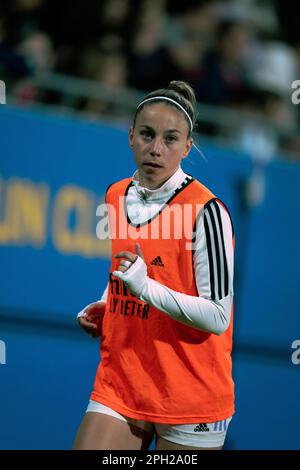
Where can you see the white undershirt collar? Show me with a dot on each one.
(155, 194)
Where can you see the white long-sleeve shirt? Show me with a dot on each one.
(212, 260)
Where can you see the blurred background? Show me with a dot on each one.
(74, 72)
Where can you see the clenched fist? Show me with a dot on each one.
(91, 319)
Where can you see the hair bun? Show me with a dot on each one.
(184, 90)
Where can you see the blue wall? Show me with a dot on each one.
(53, 174)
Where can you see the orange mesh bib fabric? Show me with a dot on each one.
(152, 367)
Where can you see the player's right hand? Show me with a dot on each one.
(91, 320)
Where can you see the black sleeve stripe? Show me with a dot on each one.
(210, 259)
(219, 252)
(216, 251)
(226, 281)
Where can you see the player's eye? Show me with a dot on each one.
(146, 134)
(170, 139)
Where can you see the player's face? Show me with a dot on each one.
(159, 142)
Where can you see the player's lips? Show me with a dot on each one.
(152, 164)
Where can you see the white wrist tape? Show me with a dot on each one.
(135, 277)
(82, 312)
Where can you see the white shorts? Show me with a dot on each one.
(206, 435)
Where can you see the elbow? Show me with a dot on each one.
(222, 322)
(220, 329)
(217, 330)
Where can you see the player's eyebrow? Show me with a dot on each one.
(151, 128)
(173, 130)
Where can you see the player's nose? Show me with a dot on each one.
(156, 149)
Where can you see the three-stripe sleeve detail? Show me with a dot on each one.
(218, 268)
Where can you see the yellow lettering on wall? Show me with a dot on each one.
(23, 212)
(81, 238)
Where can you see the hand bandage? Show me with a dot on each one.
(135, 278)
(125, 263)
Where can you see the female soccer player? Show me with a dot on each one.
(165, 318)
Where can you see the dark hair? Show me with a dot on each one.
(181, 92)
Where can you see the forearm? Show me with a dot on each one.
(197, 312)
(194, 311)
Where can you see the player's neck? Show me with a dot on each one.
(154, 183)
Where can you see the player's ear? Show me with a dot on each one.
(188, 147)
(131, 137)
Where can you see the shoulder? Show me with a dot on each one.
(201, 187)
(193, 191)
(216, 214)
(118, 186)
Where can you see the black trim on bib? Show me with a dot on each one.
(188, 180)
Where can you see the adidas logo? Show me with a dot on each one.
(201, 428)
(157, 261)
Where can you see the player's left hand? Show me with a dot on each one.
(132, 269)
(128, 258)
